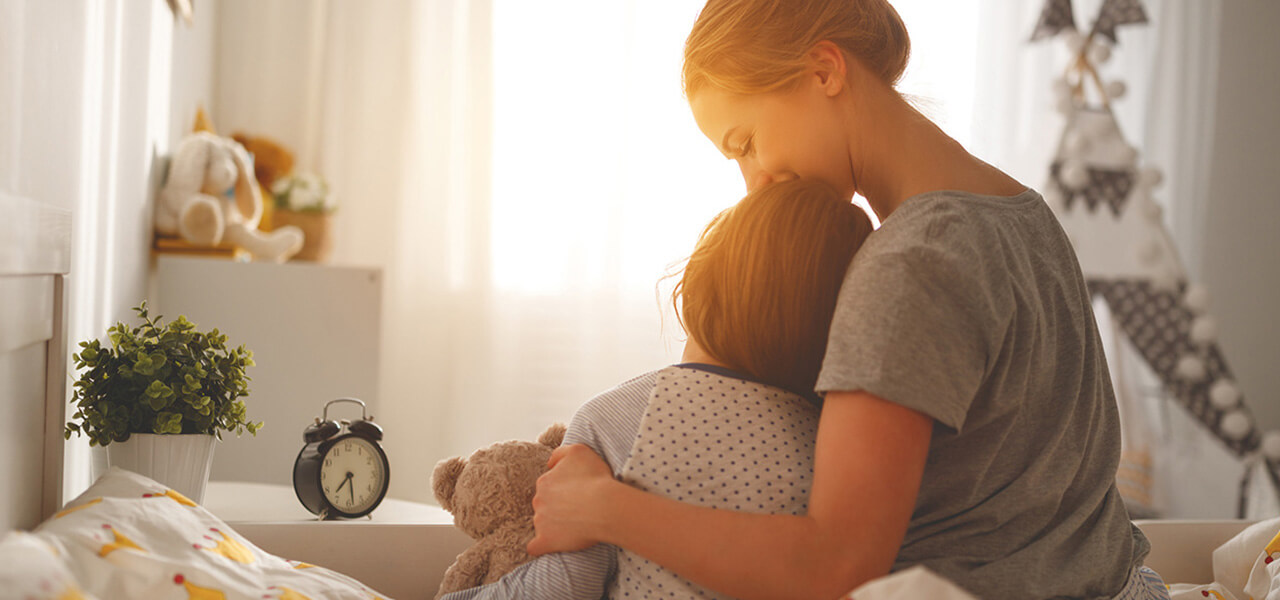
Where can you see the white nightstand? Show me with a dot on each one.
(401, 550)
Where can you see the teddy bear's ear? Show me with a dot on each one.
(444, 478)
(553, 436)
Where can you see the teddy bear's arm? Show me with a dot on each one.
(467, 571)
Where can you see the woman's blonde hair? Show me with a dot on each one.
(754, 46)
(760, 288)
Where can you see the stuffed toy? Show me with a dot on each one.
(210, 195)
(491, 497)
(271, 160)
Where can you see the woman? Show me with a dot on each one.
(969, 423)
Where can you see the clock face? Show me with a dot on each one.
(353, 475)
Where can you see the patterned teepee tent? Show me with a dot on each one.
(1105, 203)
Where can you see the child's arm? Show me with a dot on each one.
(869, 459)
(579, 575)
(606, 425)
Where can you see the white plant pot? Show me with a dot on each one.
(179, 461)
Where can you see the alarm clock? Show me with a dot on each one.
(342, 471)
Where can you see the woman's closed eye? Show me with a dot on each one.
(746, 148)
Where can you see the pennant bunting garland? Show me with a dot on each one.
(1160, 328)
(1056, 16)
(1118, 12)
(1109, 187)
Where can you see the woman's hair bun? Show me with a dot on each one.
(753, 46)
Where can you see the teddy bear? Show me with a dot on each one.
(271, 159)
(210, 195)
(491, 497)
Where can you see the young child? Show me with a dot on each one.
(756, 300)
(968, 422)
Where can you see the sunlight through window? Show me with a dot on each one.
(601, 179)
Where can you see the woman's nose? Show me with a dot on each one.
(757, 177)
(753, 175)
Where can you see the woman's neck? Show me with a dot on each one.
(899, 153)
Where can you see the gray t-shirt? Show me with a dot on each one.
(972, 310)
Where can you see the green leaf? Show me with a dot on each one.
(167, 422)
(144, 366)
(158, 389)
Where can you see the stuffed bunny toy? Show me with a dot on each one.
(210, 196)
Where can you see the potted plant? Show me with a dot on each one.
(304, 201)
(159, 396)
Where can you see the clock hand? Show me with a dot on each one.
(344, 482)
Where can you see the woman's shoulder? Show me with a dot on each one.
(955, 211)
(956, 229)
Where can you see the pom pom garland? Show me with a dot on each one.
(1099, 53)
(1224, 395)
(1074, 174)
(1146, 286)
(1191, 368)
(1197, 299)
(1236, 425)
(1204, 330)
(1271, 445)
(1116, 90)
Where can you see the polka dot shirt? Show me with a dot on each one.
(721, 442)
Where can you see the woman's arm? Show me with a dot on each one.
(869, 459)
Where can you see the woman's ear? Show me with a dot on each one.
(828, 67)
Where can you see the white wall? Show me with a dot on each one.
(88, 103)
(1241, 244)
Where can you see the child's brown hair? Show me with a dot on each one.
(760, 288)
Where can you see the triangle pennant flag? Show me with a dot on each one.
(1118, 12)
(1056, 16)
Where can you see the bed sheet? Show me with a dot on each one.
(1244, 568)
(130, 537)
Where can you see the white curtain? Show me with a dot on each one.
(527, 172)
(524, 173)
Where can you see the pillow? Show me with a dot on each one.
(130, 537)
(32, 568)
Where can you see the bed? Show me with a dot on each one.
(371, 559)
(401, 558)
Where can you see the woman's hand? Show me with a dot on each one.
(568, 506)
